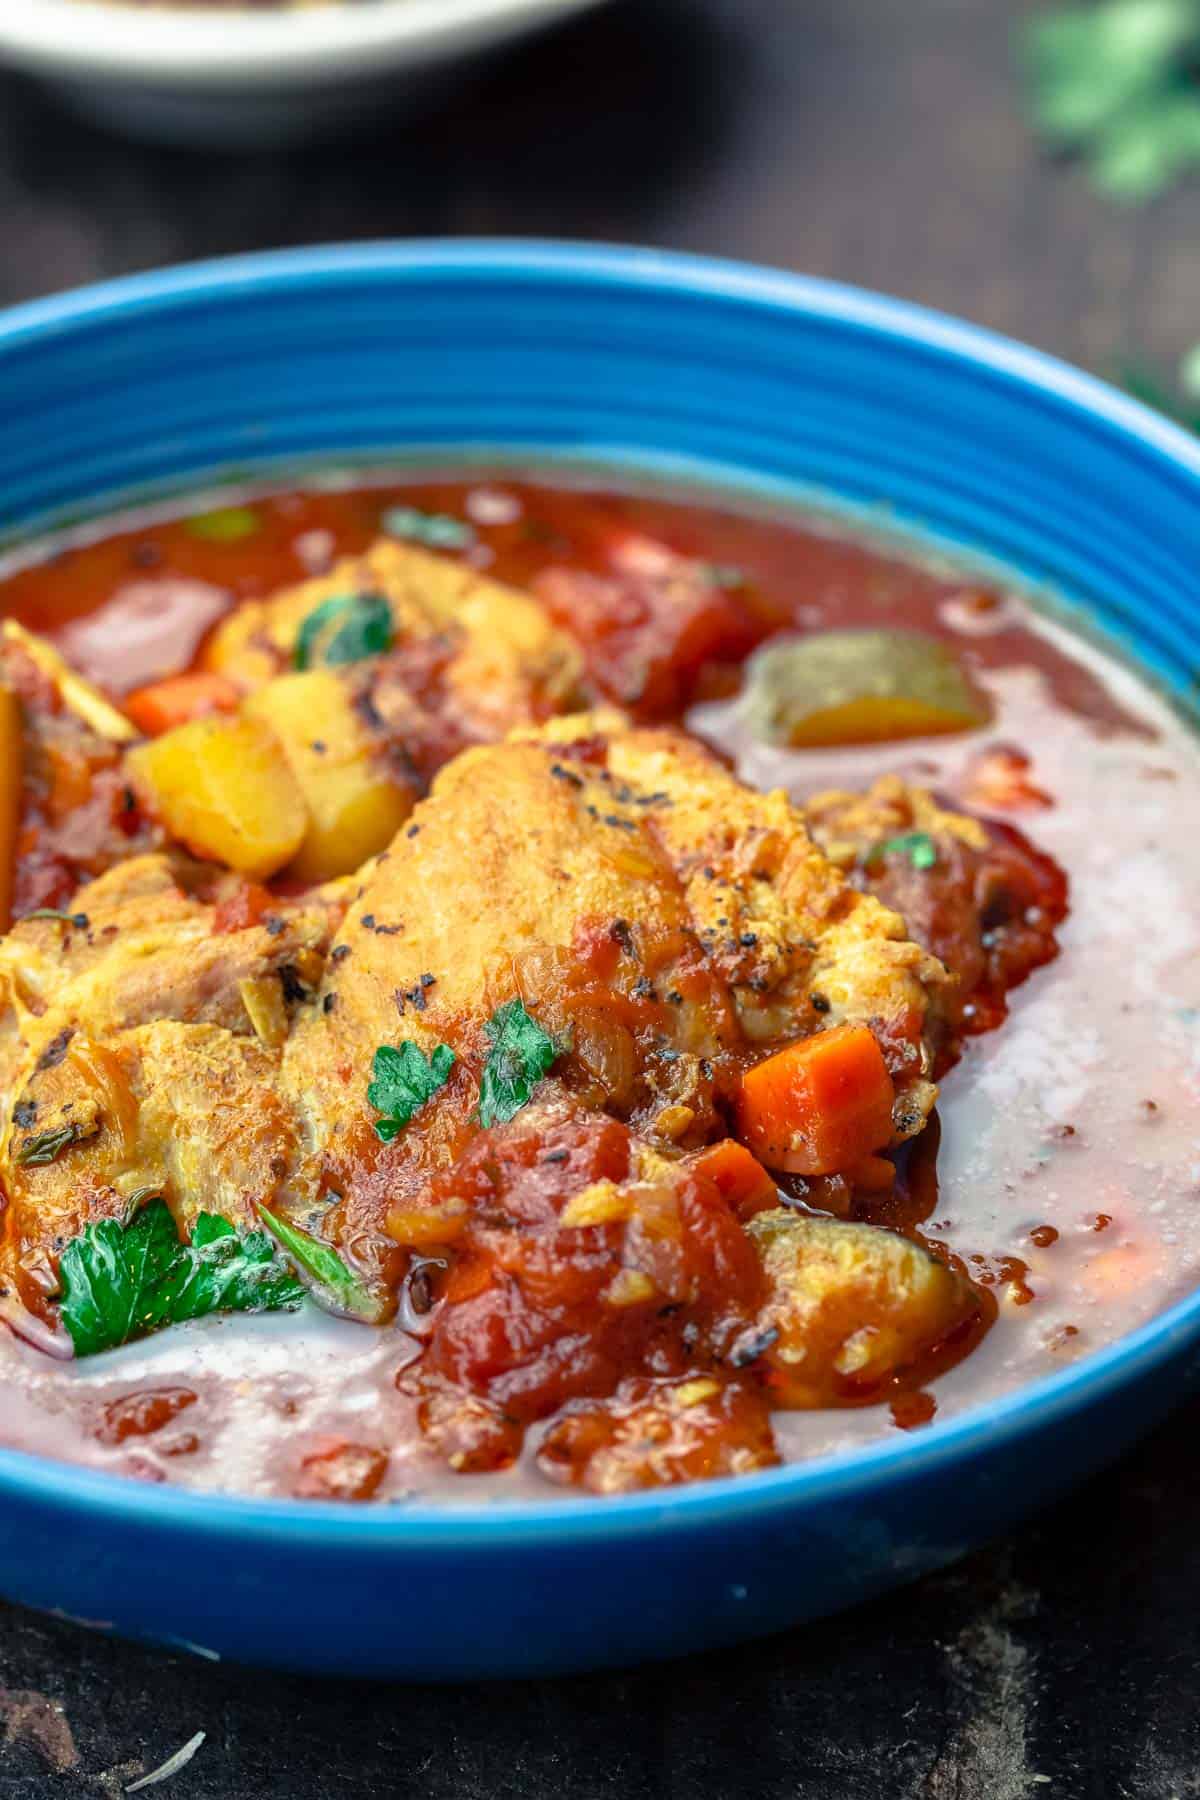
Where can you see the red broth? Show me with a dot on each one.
(1067, 1180)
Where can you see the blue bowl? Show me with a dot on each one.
(668, 365)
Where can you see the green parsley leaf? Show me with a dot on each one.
(338, 1284)
(437, 531)
(918, 846)
(404, 1079)
(1115, 82)
(520, 1055)
(228, 525)
(119, 1282)
(361, 627)
(42, 1147)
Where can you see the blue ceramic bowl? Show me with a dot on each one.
(668, 365)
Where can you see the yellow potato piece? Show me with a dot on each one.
(223, 787)
(355, 804)
(852, 1305)
(858, 687)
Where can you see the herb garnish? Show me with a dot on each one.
(404, 1079)
(437, 531)
(228, 525)
(78, 919)
(362, 627)
(918, 846)
(520, 1055)
(44, 1146)
(1116, 82)
(120, 1281)
(333, 1277)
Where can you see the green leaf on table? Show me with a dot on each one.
(336, 1283)
(1116, 83)
(346, 628)
(119, 1281)
(521, 1053)
(404, 1079)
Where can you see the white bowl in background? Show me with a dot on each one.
(216, 77)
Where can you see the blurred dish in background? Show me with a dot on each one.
(259, 73)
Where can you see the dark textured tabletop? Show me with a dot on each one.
(882, 142)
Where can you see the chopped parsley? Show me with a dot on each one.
(346, 628)
(78, 919)
(119, 1281)
(228, 525)
(437, 531)
(337, 1283)
(521, 1053)
(404, 1079)
(918, 846)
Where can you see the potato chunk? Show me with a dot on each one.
(356, 803)
(858, 687)
(225, 789)
(852, 1305)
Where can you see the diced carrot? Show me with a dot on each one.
(177, 700)
(820, 1105)
(738, 1176)
(246, 906)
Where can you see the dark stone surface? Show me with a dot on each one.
(878, 142)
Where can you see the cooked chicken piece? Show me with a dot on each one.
(145, 942)
(849, 823)
(662, 923)
(136, 1051)
(973, 891)
(649, 910)
(851, 1307)
(188, 1111)
(464, 648)
(796, 945)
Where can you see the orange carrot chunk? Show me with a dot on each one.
(738, 1176)
(179, 699)
(819, 1106)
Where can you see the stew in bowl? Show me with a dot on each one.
(516, 987)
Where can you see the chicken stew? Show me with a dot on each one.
(517, 981)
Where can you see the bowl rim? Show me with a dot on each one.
(1002, 1420)
(110, 41)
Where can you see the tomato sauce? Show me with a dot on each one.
(1066, 1180)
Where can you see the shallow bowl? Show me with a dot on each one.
(250, 79)
(677, 367)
